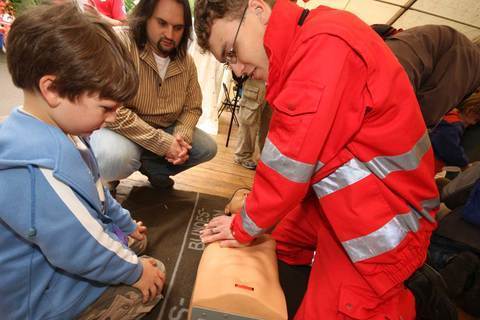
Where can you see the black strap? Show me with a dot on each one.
(303, 17)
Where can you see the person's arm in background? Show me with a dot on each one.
(446, 141)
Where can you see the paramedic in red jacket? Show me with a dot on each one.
(347, 168)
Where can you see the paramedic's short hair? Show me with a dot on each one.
(207, 11)
(81, 50)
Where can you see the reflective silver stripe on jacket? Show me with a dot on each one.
(427, 206)
(355, 170)
(383, 166)
(387, 237)
(319, 166)
(248, 225)
(382, 240)
(291, 169)
(348, 174)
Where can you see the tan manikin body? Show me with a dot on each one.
(238, 283)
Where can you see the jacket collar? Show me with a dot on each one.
(175, 67)
(47, 147)
(279, 37)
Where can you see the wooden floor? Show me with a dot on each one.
(220, 176)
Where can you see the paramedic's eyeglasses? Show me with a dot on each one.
(231, 56)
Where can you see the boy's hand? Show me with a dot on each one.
(151, 281)
(140, 232)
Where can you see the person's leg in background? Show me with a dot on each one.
(251, 108)
(158, 169)
(117, 156)
(248, 118)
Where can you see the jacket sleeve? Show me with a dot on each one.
(316, 113)
(130, 125)
(69, 232)
(192, 109)
(119, 215)
(447, 143)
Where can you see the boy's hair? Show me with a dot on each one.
(80, 50)
(207, 11)
(138, 25)
(471, 105)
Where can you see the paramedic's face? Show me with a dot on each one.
(165, 27)
(85, 114)
(250, 57)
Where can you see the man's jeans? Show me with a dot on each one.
(118, 157)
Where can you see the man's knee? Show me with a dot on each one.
(205, 146)
(117, 156)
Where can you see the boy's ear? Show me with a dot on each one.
(46, 84)
(261, 9)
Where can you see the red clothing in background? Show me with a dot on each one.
(114, 9)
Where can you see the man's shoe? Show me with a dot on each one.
(431, 298)
(161, 183)
(248, 164)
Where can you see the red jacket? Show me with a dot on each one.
(347, 126)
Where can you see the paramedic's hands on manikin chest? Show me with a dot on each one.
(218, 229)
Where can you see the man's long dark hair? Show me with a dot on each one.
(138, 25)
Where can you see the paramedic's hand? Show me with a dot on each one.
(178, 151)
(218, 229)
(140, 232)
(151, 281)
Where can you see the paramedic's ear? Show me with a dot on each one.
(46, 85)
(261, 9)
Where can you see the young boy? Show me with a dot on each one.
(347, 168)
(447, 136)
(63, 251)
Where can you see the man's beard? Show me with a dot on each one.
(166, 50)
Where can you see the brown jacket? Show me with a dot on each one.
(443, 66)
(177, 100)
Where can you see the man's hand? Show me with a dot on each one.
(218, 229)
(178, 151)
(140, 231)
(151, 281)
